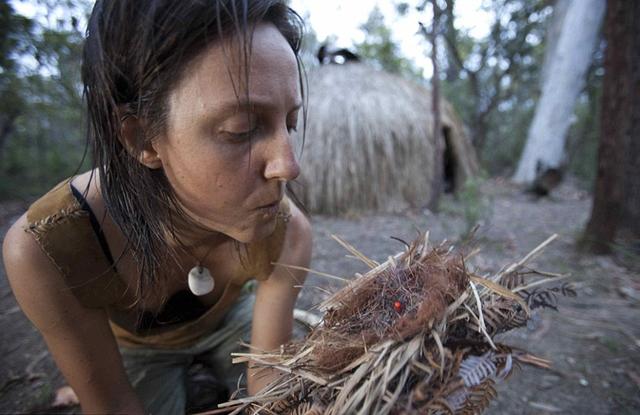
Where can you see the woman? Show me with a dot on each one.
(133, 271)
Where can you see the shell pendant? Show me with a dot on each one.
(200, 281)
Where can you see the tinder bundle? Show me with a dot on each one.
(414, 335)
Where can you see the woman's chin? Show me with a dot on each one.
(258, 231)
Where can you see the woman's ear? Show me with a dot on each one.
(132, 138)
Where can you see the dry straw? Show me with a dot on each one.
(414, 335)
(369, 142)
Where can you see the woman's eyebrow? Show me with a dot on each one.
(253, 103)
(231, 108)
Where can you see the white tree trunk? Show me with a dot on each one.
(563, 81)
(552, 36)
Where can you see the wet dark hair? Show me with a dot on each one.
(135, 53)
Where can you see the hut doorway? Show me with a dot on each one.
(449, 162)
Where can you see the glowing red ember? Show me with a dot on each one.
(398, 306)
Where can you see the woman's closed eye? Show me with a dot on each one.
(239, 128)
(243, 128)
(240, 135)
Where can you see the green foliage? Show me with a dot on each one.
(471, 204)
(476, 206)
(15, 34)
(41, 123)
(15, 38)
(583, 141)
(493, 82)
(584, 135)
(506, 137)
(380, 48)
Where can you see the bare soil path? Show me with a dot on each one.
(593, 341)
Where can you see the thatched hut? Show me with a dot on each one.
(370, 143)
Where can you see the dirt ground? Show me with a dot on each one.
(593, 341)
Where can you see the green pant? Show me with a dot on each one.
(159, 376)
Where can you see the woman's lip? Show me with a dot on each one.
(270, 206)
(269, 210)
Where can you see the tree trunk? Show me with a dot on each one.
(554, 31)
(614, 128)
(630, 220)
(545, 144)
(453, 71)
(438, 185)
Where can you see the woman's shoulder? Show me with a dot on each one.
(57, 231)
(63, 201)
(31, 275)
(27, 266)
(22, 243)
(17, 246)
(55, 206)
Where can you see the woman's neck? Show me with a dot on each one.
(188, 234)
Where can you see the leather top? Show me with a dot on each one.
(64, 232)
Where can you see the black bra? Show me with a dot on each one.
(181, 307)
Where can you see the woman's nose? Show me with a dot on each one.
(281, 163)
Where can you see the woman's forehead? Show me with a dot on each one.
(219, 77)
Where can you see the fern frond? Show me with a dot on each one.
(505, 367)
(503, 315)
(404, 339)
(457, 399)
(512, 280)
(438, 407)
(475, 369)
(545, 298)
(479, 398)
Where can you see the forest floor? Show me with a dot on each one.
(593, 340)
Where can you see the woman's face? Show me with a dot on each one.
(227, 158)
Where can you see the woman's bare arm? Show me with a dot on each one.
(79, 338)
(276, 297)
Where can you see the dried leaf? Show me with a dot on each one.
(411, 336)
